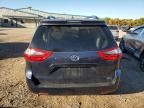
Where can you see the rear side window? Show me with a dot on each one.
(72, 38)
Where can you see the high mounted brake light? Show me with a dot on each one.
(34, 54)
(110, 54)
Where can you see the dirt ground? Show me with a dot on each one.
(14, 91)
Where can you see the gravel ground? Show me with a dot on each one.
(14, 91)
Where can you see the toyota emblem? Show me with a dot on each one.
(74, 58)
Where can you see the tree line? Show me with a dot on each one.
(128, 22)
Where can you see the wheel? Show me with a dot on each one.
(122, 46)
(142, 62)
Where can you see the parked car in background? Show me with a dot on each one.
(133, 42)
(124, 28)
(72, 54)
(115, 31)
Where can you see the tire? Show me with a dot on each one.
(142, 62)
(122, 47)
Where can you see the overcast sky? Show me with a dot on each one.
(102, 8)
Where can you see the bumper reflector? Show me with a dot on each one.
(28, 74)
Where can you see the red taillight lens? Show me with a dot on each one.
(110, 54)
(34, 54)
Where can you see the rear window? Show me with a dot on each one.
(113, 27)
(72, 38)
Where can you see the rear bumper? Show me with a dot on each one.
(101, 87)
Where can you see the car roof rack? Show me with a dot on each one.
(51, 17)
(72, 22)
(88, 17)
(90, 20)
(93, 17)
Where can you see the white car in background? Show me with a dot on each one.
(115, 31)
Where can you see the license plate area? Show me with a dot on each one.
(75, 74)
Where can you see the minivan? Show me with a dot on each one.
(70, 53)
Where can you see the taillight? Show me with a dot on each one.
(110, 54)
(34, 54)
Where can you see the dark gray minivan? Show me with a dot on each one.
(72, 54)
